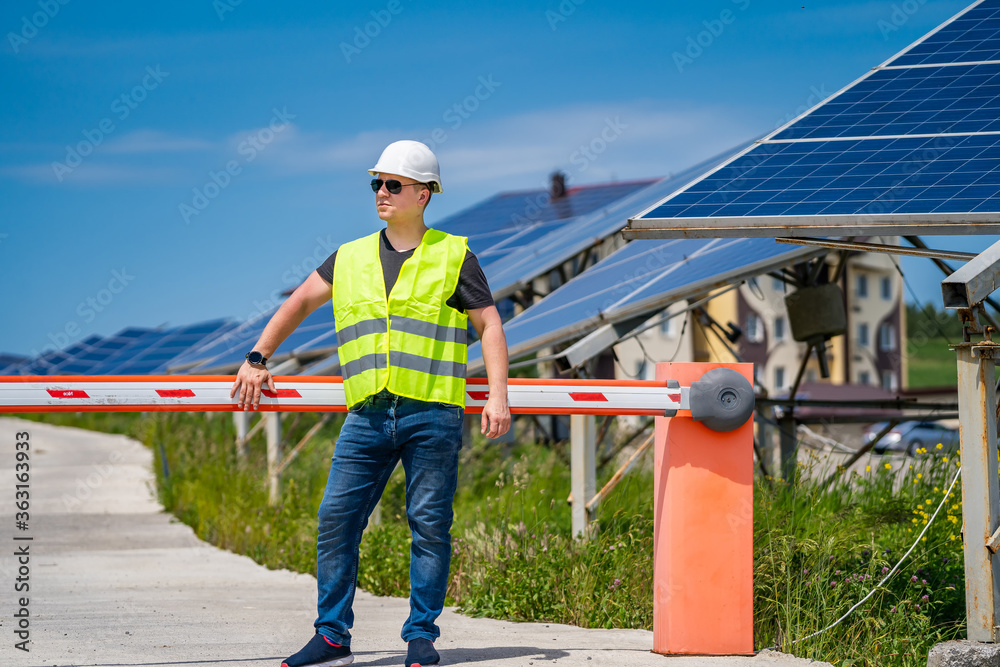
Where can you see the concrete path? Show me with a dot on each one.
(114, 580)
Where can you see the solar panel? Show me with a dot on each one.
(913, 147)
(968, 37)
(153, 353)
(510, 220)
(316, 336)
(639, 279)
(227, 348)
(515, 269)
(912, 100)
(59, 362)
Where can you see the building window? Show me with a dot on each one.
(863, 334)
(667, 326)
(754, 329)
(889, 381)
(778, 284)
(887, 337)
(779, 377)
(886, 288)
(779, 328)
(864, 378)
(861, 286)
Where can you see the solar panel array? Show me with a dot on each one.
(639, 279)
(513, 220)
(518, 267)
(226, 352)
(969, 37)
(911, 147)
(130, 351)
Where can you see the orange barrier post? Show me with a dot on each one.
(703, 533)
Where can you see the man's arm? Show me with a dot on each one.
(306, 298)
(496, 413)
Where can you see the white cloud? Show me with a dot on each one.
(590, 142)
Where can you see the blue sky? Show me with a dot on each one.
(165, 163)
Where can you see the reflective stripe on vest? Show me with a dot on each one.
(410, 341)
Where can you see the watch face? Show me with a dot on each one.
(255, 357)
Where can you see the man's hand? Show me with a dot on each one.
(249, 381)
(496, 415)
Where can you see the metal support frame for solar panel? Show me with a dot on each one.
(876, 166)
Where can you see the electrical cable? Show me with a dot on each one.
(614, 356)
(680, 338)
(644, 352)
(755, 289)
(891, 572)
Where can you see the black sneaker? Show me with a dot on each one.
(420, 653)
(320, 652)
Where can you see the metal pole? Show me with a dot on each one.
(273, 428)
(766, 446)
(980, 494)
(242, 422)
(583, 470)
(789, 446)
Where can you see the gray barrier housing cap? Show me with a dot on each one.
(722, 399)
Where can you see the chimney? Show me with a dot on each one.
(557, 185)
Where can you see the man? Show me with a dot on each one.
(401, 299)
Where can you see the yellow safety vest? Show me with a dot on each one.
(411, 341)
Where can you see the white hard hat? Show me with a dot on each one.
(411, 159)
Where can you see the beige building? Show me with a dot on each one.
(869, 353)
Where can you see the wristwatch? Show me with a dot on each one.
(256, 358)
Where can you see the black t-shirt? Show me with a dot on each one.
(471, 293)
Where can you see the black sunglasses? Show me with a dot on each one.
(392, 185)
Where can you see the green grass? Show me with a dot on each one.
(816, 551)
(930, 363)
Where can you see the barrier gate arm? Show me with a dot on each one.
(722, 399)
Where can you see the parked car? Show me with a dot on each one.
(910, 436)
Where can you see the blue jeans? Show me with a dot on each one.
(378, 433)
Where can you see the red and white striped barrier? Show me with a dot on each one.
(728, 398)
(197, 393)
